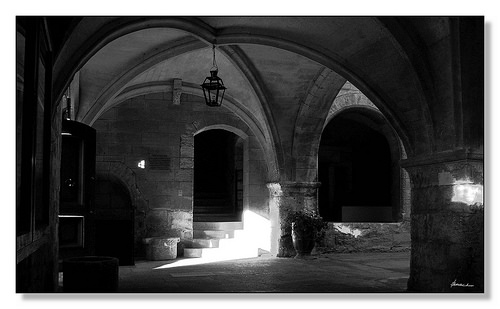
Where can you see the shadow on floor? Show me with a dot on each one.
(324, 273)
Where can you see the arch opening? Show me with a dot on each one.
(218, 176)
(357, 169)
(114, 222)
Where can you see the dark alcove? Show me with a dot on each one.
(354, 171)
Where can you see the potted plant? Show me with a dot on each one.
(307, 228)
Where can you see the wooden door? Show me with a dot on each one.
(76, 209)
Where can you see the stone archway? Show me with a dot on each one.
(114, 219)
(120, 173)
(351, 99)
(359, 168)
(218, 176)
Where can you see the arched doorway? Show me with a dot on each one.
(360, 179)
(218, 176)
(114, 218)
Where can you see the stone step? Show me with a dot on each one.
(202, 243)
(226, 245)
(193, 252)
(221, 253)
(219, 241)
(218, 226)
(218, 234)
(229, 243)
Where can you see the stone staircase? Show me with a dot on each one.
(220, 241)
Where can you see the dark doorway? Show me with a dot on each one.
(218, 176)
(355, 171)
(114, 220)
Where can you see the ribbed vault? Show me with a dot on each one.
(275, 70)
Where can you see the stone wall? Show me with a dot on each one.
(366, 237)
(153, 129)
(447, 223)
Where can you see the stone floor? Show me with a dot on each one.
(325, 273)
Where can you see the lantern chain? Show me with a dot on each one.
(214, 63)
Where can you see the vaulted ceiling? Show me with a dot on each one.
(270, 65)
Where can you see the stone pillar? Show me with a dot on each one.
(447, 223)
(284, 198)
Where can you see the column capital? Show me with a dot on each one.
(300, 184)
(462, 155)
(291, 187)
(445, 169)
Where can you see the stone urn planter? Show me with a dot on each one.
(306, 228)
(161, 248)
(303, 240)
(90, 274)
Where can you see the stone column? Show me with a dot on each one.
(286, 197)
(447, 223)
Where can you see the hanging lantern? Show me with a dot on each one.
(213, 86)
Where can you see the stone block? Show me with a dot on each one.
(176, 91)
(101, 149)
(119, 149)
(185, 174)
(148, 189)
(157, 223)
(166, 175)
(129, 138)
(112, 158)
(184, 203)
(186, 163)
(104, 137)
(157, 138)
(171, 127)
(186, 187)
(152, 126)
(160, 201)
(101, 125)
(187, 140)
(181, 220)
(161, 248)
(167, 187)
(127, 126)
(186, 151)
(157, 112)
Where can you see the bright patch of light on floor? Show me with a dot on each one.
(245, 244)
(348, 230)
(465, 191)
(195, 261)
(257, 230)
